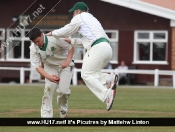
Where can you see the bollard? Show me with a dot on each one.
(156, 78)
(74, 79)
(22, 75)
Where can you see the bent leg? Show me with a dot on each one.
(63, 90)
(93, 62)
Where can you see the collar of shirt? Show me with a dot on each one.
(45, 43)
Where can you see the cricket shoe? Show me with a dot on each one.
(112, 81)
(63, 114)
(110, 99)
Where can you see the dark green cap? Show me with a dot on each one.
(79, 5)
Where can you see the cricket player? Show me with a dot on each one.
(56, 55)
(99, 52)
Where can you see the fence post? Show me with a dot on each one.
(156, 78)
(22, 75)
(116, 72)
(174, 80)
(74, 79)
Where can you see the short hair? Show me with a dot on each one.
(34, 33)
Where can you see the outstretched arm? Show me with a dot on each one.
(65, 31)
(68, 29)
(74, 41)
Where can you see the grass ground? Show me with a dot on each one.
(25, 101)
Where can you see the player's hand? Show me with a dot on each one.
(53, 78)
(49, 34)
(64, 64)
(68, 40)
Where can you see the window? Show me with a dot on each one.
(79, 52)
(150, 47)
(113, 37)
(18, 48)
(19, 43)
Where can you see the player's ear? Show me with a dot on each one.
(79, 11)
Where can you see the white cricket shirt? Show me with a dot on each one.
(87, 25)
(54, 52)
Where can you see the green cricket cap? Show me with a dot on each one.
(79, 5)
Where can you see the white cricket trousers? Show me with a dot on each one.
(63, 90)
(94, 61)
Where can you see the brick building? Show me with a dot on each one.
(141, 32)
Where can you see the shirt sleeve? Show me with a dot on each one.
(34, 57)
(62, 43)
(68, 29)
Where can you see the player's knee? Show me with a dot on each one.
(84, 75)
(63, 92)
(51, 86)
(46, 90)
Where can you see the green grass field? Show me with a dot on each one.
(25, 101)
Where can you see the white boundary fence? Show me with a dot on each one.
(155, 72)
(22, 72)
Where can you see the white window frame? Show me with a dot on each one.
(111, 40)
(22, 38)
(151, 40)
(114, 40)
(2, 39)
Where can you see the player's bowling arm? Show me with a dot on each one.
(52, 78)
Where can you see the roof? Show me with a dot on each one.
(161, 8)
(169, 4)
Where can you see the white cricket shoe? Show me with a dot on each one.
(63, 114)
(110, 99)
(112, 81)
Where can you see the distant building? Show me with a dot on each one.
(141, 32)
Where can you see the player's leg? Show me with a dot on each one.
(93, 62)
(46, 107)
(64, 90)
(103, 77)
